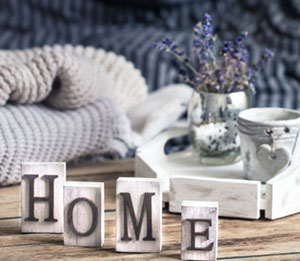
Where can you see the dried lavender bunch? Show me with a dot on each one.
(228, 72)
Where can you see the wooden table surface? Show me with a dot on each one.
(238, 239)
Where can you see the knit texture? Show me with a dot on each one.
(37, 133)
(69, 77)
(96, 106)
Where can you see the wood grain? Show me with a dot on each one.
(137, 189)
(199, 217)
(282, 193)
(41, 221)
(103, 170)
(84, 201)
(239, 239)
(10, 202)
(237, 198)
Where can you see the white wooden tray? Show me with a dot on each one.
(184, 178)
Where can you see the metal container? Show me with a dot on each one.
(213, 125)
(269, 141)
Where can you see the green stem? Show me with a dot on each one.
(212, 56)
(185, 63)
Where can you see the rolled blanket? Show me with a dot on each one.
(69, 77)
(96, 105)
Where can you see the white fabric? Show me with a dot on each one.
(160, 110)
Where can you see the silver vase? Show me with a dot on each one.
(213, 125)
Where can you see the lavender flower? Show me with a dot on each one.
(227, 73)
(203, 42)
(266, 56)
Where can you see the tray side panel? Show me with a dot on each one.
(237, 198)
(283, 194)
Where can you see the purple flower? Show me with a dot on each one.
(203, 42)
(236, 49)
(228, 73)
(207, 17)
(265, 57)
(168, 45)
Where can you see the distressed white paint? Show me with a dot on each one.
(41, 190)
(137, 187)
(199, 210)
(282, 193)
(82, 213)
(237, 198)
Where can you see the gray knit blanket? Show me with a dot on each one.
(66, 103)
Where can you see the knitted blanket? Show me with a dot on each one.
(68, 77)
(64, 103)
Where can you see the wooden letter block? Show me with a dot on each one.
(84, 214)
(199, 235)
(138, 215)
(42, 197)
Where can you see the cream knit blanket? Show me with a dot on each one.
(69, 77)
(94, 103)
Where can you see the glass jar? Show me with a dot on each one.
(213, 125)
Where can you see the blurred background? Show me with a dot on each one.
(129, 27)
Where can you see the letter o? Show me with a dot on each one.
(94, 217)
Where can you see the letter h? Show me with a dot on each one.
(33, 199)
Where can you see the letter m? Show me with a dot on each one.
(146, 207)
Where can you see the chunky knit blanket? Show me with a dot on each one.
(66, 103)
(68, 77)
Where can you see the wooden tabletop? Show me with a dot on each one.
(238, 239)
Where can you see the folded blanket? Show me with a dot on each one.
(80, 76)
(66, 103)
(38, 133)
